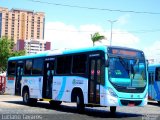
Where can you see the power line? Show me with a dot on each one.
(94, 8)
(138, 31)
(125, 32)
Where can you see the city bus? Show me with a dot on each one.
(108, 76)
(154, 82)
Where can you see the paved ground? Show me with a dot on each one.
(11, 107)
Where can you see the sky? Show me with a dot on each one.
(70, 23)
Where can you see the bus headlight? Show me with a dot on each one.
(111, 92)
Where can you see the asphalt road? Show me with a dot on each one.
(12, 107)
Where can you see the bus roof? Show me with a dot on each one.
(67, 51)
(59, 52)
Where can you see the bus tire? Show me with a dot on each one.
(80, 103)
(113, 109)
(26, 98)
(55, 103)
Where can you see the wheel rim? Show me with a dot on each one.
(26, 96)
(78, 100)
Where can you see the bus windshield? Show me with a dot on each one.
(127, 72)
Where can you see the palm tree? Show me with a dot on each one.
(96, 37)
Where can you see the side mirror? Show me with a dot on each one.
(107, 63)
(147, 62)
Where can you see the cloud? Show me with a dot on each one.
(122, 20)
(68, 36)
(153, 51)
(124, 38)
(63, 35)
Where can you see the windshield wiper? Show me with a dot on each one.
(123, 63)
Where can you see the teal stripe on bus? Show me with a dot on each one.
(60, 94)
(70, 51)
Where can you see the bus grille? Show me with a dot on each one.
(130, 102)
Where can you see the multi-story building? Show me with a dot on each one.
(33, 46)
(21, 24)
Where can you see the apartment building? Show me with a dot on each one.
(21, 24)
(33, 46)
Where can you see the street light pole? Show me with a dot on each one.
(111, 22)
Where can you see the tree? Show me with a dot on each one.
(6, 51)
(96, 37)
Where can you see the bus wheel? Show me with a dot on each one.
(80, 103)
(113, 109)
(25, 97)
(27, 100)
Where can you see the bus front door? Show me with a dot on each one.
(48, 79)
(19, 72)
(94, 80)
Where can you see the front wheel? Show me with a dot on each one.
(80, 103)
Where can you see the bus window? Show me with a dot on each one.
(92, 69)
(98, 71)
(157, 76)
(11, 67)
(28, 67)
(37, 66)
(64, 65)
(79, 64)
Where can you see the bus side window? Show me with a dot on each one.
(64, 65)
(79, 64)
(28, 67)
(37, 66)
(157, 76)
(11, 67)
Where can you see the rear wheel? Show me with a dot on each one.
(113, 109)
(80, 103)
(25, 97)
(27, 100)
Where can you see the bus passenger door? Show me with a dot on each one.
(48, 79)
(94, 80)
(19, 72)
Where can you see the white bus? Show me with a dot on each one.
(101, 76)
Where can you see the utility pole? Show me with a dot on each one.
(111, 22)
